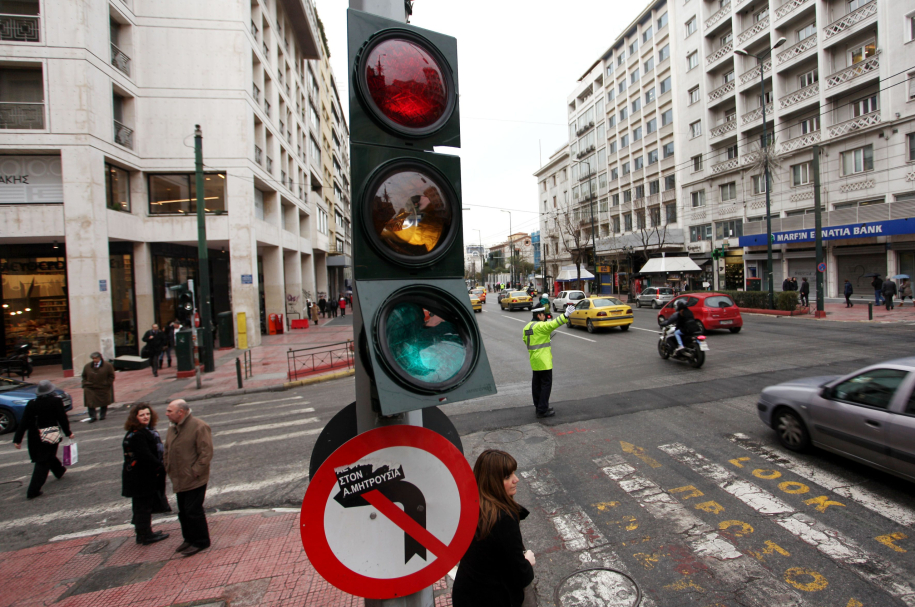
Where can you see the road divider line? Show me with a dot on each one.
(262, 416)
(268, 439)
(298, 422)
(555, 332)
(838, 485)
(242, 411)
(267, 402)
(655, 331)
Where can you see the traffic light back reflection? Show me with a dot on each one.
(406, 84)
(426, 346)
(410, 213)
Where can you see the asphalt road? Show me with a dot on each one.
(649, 467)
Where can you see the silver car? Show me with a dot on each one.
(655, 297)
(867, 416)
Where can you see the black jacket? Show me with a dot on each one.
(155, 340)
(805, 288)
(888, 288)
(877, 283)
(43, 411)
(494, 572)
(848, 289)
(143, 473)
(681, 318)
(786, 285)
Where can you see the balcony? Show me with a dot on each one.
(728, 165)
(788, 7)
(752, 31)
(722, 91)
(798, 49)
(803, 141)
(724, 128)
(123, 135)
(755, 114)
(749, 158)
(120, 60)
(850, 20)
(258, 155)
(869, 65)
(753, 74)
(855, 124)
(21, 115)
(724, 51)
(19, 28)
(808, 92)
(723, 12)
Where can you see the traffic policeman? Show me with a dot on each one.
(536, 336)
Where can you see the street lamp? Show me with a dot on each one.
(511, 244)
(765, 143)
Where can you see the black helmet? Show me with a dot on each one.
(681, 304)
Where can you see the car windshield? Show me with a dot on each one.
(606, 302)
(477, 291)
(666, 291)
(7, 384)
(519, 294)
(718, 301)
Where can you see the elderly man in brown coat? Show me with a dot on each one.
(98, 377)
(188, 453)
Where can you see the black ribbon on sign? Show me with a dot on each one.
(357, 480)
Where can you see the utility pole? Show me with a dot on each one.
(818, 225)
(511, 247)
(203, 271)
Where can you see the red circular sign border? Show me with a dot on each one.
(311, 519)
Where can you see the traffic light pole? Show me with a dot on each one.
(818, 225)
(203, 258)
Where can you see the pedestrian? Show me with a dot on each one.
(786, 284)
(155, 340)
(313, 310)
(848, 293)
(45, 421)
(496, 568)
(805, 293)
(342, 305)
(794, 286)
(143, 476)
(322, 304)
(877, 283)
(98, 379)
(170, 330)
(905, 291)
(188, 452)
(889, 290)
(334, 307)
(536, 336)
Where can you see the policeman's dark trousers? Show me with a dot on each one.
(542, 385)
(193, 519)
(40, 474)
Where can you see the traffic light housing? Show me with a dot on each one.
(419, 342)
(184, 306)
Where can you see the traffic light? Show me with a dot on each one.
(184, 306)
(419, 340)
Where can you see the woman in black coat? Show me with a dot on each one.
(46, 410)
(495, 569)
(143, 476)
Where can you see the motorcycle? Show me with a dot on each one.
(694, 347)
(19, 361)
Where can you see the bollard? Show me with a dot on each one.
(238, 371)
(870, 311)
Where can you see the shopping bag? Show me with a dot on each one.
(71, 454)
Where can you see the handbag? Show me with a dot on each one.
(71, 454)
(50, 435)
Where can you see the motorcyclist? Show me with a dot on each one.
(679, 318)
(544, 301)
(536, 336)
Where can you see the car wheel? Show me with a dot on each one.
(792, 433)
(701, 327)
(654, 305)
(735, 329)
(7, 421)
(638, 304)
(663, 350)
(624, 327)
(590, 326)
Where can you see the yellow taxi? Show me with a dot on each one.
(475, 302)
(516, 300)
(598, 312)
(478, 292)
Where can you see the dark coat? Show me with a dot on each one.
(97, 384)
(43, 411)
(888, 288)
(494, 572)
(156, 341)
(877, 283)
(322, 304)
(848, 289)
(143, 474)
(805, 288)
(786, 285)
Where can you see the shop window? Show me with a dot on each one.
(35, 306)
(700, 233)
(177, 193)
(123, 306)
(728, 229)
(117, 188)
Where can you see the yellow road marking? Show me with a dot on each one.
(816, 584)
(647, 560)
(823, 503)
(793, 487)
(685, 584)
(770, 548)
(854, 603)
(737, 461)
(604, 506)
(745, 529)
(712, 507)
(766, 474)
(639, 453)
(891, 539)
(693, 492)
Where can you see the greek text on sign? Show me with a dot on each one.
(356, 480)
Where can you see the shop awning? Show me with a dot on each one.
(701, 261)
(570, 274)
(669, 264)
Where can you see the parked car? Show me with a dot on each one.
(516, 300)
(479, 293)
(565, 298)
(501, 294)
(14, 396)
(655, 297)
(601, 312)
(712, 310)
(475, 303)
(867, 416)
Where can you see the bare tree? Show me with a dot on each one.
(649, 231)
(574, 240)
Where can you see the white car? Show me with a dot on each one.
(565, 298)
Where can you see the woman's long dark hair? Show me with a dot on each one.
(133, 424)
(491, 469)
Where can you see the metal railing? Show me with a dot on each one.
(19, 28)
(123, 135)
(317, 359)
(851, 19)
(249, 364)
(119, 59)
(21, 115)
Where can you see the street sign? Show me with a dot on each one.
(361, 541)
(247, 279)
(821, 267)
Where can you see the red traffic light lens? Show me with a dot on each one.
(407, 83)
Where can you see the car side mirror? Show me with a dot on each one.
(826, 392)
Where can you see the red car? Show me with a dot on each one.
(713, 310)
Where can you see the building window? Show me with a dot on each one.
(615, 200)
(601, 135)
(862, 51)
(761, 15)
(654, 187)
(652, 156)
(611, 120)
(700, 233)
(911, 139)
(626, 169)
(865, 106)
(602, 158)
(649, 65)
(611, 95)
(621, 58)
(634, 76)
(729, 229)
(690, 27)
(613, 146)
(729, 77)
(627, 219)
(671, 211)
(665, 85)
(638, 162)
(609, 68)
(858, 161)
(807, 31)
(668, 149)
(670, 182)
(692, 60)
(694, 95)
(662, 21)
(627, 196)
(614, 173)
(622, 86)
(616, 224)
(664, 53)
(639, 192)
(811, 125)
(636, 134)
(602, 181)
(800, 174)
(21, 98)
(624, 140)
(731, 152)
(177, 193)
(697, 163)
(697, 198)
(695, 129)
(633, 47)
(667, 117)
(636, 104)
(654, 215)
(727, 191)
(624, 113)
(651, 126)
(117, 188)
(726, 39)
(575, 192)
(315, 150)
(759, 184)
(646, 35)
(808, 78)
(910, 27)
(650, 95)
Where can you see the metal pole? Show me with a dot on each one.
(765, 141)
(202, 257)
(818, 224)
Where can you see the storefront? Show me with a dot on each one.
(801, 265)
(123, 298)
(733, 271)
(756, 267)
(176, 264)
(34, 302)
(854, 263)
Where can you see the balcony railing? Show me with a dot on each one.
(749, 158)
(721, 91)
(799, 95)
(258, 155)
(724, 51)
(798, 49)
(753, 74)
(801, 142)
(19, 28)
(727, 165)
(123, 135)
(750, 32)
(718, 16)
(726, 127)
(855, 124)
(756, 114)
(120, 60)
(21, 115)
(851, 19)
(788, 7)
(871, 64)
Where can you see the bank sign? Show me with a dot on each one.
(892, 227)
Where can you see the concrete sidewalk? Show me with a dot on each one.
(256, 559)
(270, 369)
(858, 313)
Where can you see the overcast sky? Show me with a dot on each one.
(518, 61)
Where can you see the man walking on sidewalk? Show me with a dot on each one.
(805, 292)
(536, 336)
(877, 283)
(98, 378)
(188, 453)
(848, 293)
(889, 291)
(155, 340)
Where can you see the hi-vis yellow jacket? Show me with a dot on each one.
(536, 336)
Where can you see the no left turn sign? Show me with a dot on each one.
(390, 512)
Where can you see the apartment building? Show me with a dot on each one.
(842, 79)
(98, 106)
